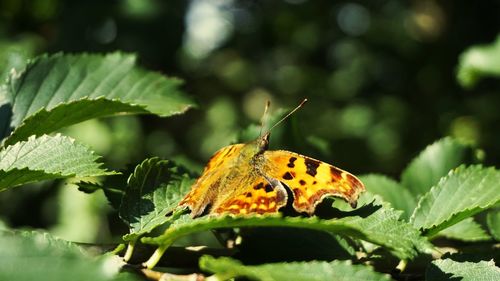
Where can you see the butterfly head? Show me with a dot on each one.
(263, 142)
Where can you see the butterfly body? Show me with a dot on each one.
(249, 178)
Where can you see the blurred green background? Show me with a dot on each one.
(380, 77)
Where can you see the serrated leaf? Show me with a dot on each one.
(39, 256)
(447, 269)
(433, 163)
(113, 187)
(478, 62)
(466, 230)
(46, 157)
(88, 187)
(381, 227)
(81, 87)
(463, 193)
(227, 268)
(493, 221)
(154, 190)
(392, 192)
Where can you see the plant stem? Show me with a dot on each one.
(402, 265)
(130, 250)
(155, 258)
(118, 249)
(214, 277)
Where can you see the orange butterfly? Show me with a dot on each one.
(248, 178)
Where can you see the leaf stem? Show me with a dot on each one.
(118, 249)
(214, 277)
(156, 256)
(130, 250)
(402, 265)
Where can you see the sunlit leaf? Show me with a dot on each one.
(433, 163)
(478, 62)
(39, 256)
(60, 90)
(227, 268)
(466, 230)
(463, 193)
(447, 269)
(154, 190)
(381, 227)
(392, 192)
(46, 157)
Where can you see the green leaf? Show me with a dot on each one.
(392, 192)
(380, 227)
(14, 53)
(60, 90)
(46, 157)
(113, 187)
(154, 190)
(39, 256)
(463, 193)
(88, 187)
(227, 268)
(447, 269)
(434, 163)
(478, 62)
(13, 57)
(493, 221)
(466, 230)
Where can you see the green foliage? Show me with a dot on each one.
(45, 158)
(463, 193)
(381, 226)
(153, 191)
(226, 269)
(447, 269)
(60, 90)
(433, 163)
(493, 220)
(466, 230)
(478, 62)
(39, 256)
(438, 194)
(392, 192)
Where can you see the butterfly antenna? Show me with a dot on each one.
(264, 117)
(288, 115)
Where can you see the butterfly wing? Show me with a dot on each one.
(310, 180)
(206, 188)
(259, 195)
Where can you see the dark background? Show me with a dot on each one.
(380, 77)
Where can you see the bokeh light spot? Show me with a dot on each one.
(353, 19)
(209, 23)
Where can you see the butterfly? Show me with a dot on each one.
(248, 178)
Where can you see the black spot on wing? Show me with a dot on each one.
(287, 176)
(291, 160)
(258, 186)
(269, 188)
(302, 182)
(312, 166)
